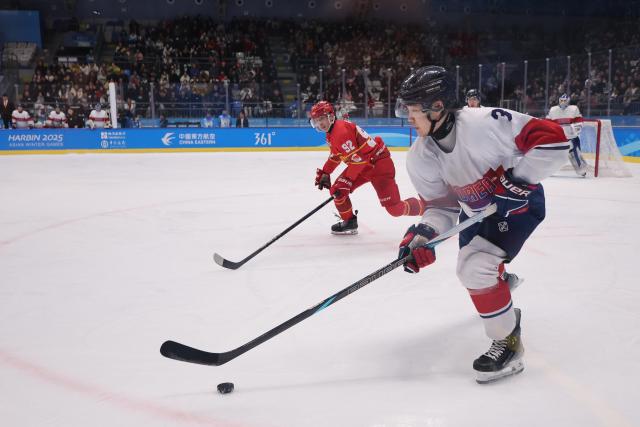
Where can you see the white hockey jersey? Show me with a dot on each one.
(100, 119)
(21, 120)
(487, 141)
(57, 120)
(569, 118)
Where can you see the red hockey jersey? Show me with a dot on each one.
(350, 144)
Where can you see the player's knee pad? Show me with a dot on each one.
(479, 263)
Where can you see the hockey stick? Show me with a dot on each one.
(177, 351)
(235, 265)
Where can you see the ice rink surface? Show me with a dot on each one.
(103, 257)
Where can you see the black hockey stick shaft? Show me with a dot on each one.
(235, 265)
(177, 351)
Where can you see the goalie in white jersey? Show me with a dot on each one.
(460, 164)
(569, 117)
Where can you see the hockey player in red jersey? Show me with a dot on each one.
(483, 156)
(367, 160)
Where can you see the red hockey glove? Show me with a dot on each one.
(342, 187)
(413, 243)
(512, 195)
(322, 179)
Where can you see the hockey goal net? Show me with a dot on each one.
(599, 148)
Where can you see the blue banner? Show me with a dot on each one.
(159, 139)
(628, 139)
(178, 138)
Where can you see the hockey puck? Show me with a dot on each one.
(224, 388)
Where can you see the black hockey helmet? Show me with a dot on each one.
(424, 86)
(472, 93)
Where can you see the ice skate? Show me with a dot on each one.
(504, 358)
(349, 226)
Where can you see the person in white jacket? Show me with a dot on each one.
(463, 161)
(569, 117)
(21, 119)
(98, 118)
(57, 119)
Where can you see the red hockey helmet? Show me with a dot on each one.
(322, 108)
(319, 111)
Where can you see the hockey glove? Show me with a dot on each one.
(512, 195)
(342, 187)
(322, 179)
(413, 243)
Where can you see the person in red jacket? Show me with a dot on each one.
(367, 160)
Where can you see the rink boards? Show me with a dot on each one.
(31, 141)
(48, 141)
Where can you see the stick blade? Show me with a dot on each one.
(176, 351)
(225, 262)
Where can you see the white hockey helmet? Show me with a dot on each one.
(563, 101)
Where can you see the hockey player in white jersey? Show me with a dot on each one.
(98, 118)
(569, 117)
(472, 99)
(21, 119)
(57, 119)
(460, 164)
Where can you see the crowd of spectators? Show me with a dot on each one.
(194, 62)
(187, 67)
(378, 56)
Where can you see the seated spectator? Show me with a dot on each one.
(40, 119)
(21, 119)
(98, 118)
(242, 121)
(57, 119)
(207, 122)
(225, 119)
(163, 121)
(73, 120)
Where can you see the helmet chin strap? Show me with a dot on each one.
(445, 135)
